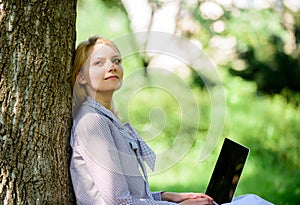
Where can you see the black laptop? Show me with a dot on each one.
(227, 171)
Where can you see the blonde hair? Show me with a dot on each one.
(82, 53)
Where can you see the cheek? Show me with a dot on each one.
(121, 72)
(121, 76)
(95, 76)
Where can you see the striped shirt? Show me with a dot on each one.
(108, 160)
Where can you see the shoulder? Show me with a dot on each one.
(88, 118)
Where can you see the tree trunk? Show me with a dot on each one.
(36, 47)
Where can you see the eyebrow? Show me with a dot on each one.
(119, 56)
(115, 56)
(101, 58)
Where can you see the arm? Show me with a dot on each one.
(84, 187)
(187, 198)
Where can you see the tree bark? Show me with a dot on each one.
(36, 48)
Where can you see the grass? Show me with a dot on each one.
(269, 127)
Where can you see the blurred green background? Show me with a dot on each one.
(255, 48)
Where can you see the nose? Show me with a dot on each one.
(112, 67)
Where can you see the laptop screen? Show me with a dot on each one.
(227, 171)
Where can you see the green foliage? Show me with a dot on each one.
(157, 114)
(260, 43)
(265, 45)
(255, 32)
(94, 18)
(269, 126)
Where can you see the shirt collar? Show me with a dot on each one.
(102, 110)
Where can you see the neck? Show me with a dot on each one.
(105, 100)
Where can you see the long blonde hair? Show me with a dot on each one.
(82, 53)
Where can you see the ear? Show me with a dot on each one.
(81, 78)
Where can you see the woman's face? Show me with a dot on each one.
(102, 72)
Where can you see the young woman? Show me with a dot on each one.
(108, 159)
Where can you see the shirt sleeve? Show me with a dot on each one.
(97, 156)
(84, 187)
(156, 195)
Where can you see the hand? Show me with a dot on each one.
(181, 197)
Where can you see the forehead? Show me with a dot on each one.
(103, 50)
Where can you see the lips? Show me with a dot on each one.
(111, 77)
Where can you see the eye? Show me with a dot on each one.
(117, 61)
(98, 63)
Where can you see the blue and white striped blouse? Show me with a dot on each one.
(107, 165)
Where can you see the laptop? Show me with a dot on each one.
(227, 171)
